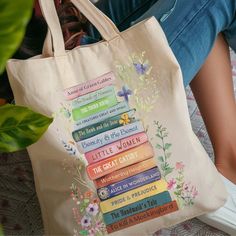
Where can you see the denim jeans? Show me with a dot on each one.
(191, 26)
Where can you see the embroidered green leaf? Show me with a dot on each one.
(167, 146)
(14, 16)
(86, 201)
(20, 127)
(158, 135)
(179, 186)
(168, 154)
(177, 193)
(83, 232)
(165, 135)
(161, 159)
(82, 208)
(163, 166)
(168, 171)
(158, 146)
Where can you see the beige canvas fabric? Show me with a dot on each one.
(65, 192)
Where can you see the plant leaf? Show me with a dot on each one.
(14, 16)
(158, 146)
(161, 159)
(167, 146)
(168, 171)
(86, 202)
(20, 127)
(83, 232)
(168, 155)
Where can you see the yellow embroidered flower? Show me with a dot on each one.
(124, 119)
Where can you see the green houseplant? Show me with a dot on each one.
(19, 126)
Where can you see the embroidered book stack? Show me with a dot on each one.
(119, 155)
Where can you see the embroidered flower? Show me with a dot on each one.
(86, 221)
(95, 200)
(124, 119)
(125, 92)
(141, 68)
(171, 184)
(185, 187)
(179, 165)
(98, 225)
(92, 209)
(88, 194)
(92, 232)
(194, 192)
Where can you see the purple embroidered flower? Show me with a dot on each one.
(185, 187)
(141, 68)
(125, 92)
(171, 184)
(86, 221)
(92, 209)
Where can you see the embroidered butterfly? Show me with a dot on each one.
(141, 68)
(125, 92)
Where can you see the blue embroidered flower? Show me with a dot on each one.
(141, 68)
(125, 92)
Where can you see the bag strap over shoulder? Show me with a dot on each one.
(103, 24)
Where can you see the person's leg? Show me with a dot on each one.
(192, 28)
(213, 90)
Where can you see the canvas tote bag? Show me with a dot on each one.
(120, 156)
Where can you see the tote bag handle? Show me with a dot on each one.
(103, 24)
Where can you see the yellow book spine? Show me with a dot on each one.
(133, 196)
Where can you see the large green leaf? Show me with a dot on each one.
(14, 16)
(20, 127)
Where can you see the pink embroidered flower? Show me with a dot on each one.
(92, 209)
(194, 192)
(179, 165)
(92, 232)
(171, 184)
(98, 224)
(86, 221)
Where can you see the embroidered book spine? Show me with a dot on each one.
(103, 126)
(110, 136)
(143, 216)
(133, 196)
(94, 107)
(116, 147)
(124, 173)
(137, 207)
(90, 86)
(100, 116)
(91, 97)
(138, 154)
(129, 184)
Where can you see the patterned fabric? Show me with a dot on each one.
(19, 208)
